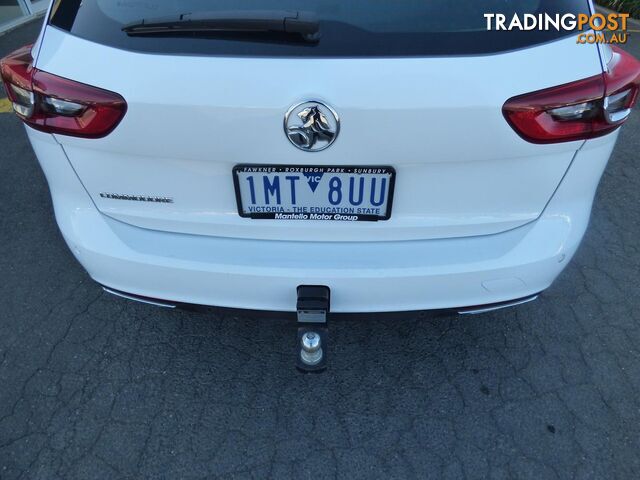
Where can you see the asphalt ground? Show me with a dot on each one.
(95, 387)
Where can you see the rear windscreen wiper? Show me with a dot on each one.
(303, 25)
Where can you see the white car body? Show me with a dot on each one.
(480, 215)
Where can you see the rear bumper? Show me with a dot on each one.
(363, 277)
(473, 310)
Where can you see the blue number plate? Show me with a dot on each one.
(296, 192)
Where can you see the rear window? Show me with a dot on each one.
(348, 28)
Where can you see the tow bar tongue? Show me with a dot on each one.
(313, 307)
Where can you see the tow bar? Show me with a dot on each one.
(313, 307)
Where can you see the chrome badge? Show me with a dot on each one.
(136, 198)
(312, 126)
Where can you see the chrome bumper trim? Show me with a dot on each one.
(498, 306)
(136, 298)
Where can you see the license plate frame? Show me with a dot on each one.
(344, 169)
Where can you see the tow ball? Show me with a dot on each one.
(313, 308)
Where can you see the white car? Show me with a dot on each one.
(397, 153)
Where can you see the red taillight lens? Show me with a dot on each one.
(58, 105)
(72, 108)
(579, 110)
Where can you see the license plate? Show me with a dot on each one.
(295, 192)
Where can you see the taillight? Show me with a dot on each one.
(58, 105)
(579, 110)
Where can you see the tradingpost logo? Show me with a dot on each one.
(591, 27)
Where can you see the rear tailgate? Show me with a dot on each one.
(460, 168)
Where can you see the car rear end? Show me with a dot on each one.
(453, 166)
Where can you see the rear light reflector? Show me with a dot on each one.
(58, 105)
(580, 110)
(22, 100)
